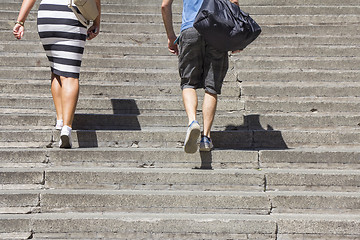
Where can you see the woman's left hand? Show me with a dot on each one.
(93, 31)
(18, 31)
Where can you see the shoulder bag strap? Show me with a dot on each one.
(79, 16)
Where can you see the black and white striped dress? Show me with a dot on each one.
(62, 36)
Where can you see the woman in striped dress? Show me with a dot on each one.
(63, 38)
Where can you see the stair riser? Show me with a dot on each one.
(171, 64)
(301, 91)
(107, 120)
(142, 228)
(301, 106)
(12, 9)
(118, 106)
(181, 202)
(263, 19)
(269, 30)
(97, 49)
(143, 39)
(115, 94)
(90, 75)
(197, 181)
(129, 158)
(143, 139)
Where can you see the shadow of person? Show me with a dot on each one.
(264, 138)
(87, 139)
(250, 135)
(206, 160)
(124, 117)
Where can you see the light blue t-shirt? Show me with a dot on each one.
(190, 9)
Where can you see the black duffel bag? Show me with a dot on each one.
(225, 26)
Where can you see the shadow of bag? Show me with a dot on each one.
(87, 8)
(225, 26)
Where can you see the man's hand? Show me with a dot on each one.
(173, 47)
(235, 1)
(236, 51)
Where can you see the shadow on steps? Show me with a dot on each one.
(115, 121)
(251, 135)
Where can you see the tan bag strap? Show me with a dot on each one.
(79, 16)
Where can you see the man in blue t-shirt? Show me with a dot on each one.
(200, 66)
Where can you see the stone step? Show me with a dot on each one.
(127, 157)
(144, 49)
(142, 226)
(135, 105)
(156, 137)
(310, 203)
(244, 2)
(254, 8)
(298, 75)
(300, 89)
(332, 63)
(280, 40)
(16, 89)
(164, 62)
(335, 157)
(40, 90)
(107, 62)
(262, 19)
(119, 75)
(327, 158)
(133, 179)
(253, 104)
(315, 226)
(159, 201)
(309, 180)
(96, 49)
(9, 10)
(298, 104)
(180, 226)
(336, 29)
(108, 76)
(86, 119)
(179, 201)
(281, 18)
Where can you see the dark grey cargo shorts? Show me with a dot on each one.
(200, 65)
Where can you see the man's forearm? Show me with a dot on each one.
(166, 12)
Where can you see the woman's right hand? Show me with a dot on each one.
(18, 31)
(93, 31)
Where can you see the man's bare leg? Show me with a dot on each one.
(209, 109)
(190, 103)
(193, 132)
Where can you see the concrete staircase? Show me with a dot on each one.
(287, 132)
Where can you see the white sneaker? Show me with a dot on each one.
(205, 144)
(65, 137)
(59, 124)
(192, 134)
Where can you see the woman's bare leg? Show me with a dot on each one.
(69, 98)
(56, 94)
